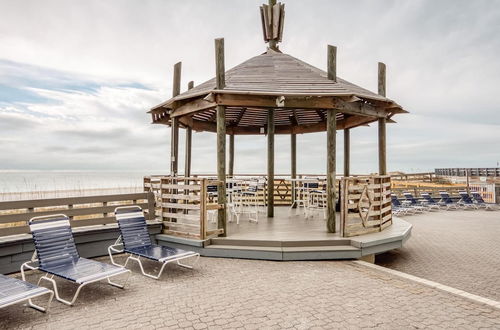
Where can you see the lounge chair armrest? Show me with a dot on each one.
(118, 248)
(27, 265)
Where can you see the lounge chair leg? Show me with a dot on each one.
(120, 286)
(189, 266)
(139, 261)
(39, 308)
(58, 298)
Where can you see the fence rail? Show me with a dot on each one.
(82, 211)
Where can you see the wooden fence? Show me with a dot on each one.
(366, 205)
(185, 205)
(82, 211)
(433, 191)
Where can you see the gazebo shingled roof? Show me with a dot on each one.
(299, 92)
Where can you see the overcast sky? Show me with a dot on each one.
(77, 77)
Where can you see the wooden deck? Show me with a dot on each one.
(287, 224)
(290, 236)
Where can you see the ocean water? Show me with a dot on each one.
(41, 184)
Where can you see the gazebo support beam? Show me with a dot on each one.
(174, 139)
(382, 153)
(221, 135)
(347, 152)
(296, 102)
(270, 163)
(331, 132)
(293, 161)
(231, 155)
(189, 137)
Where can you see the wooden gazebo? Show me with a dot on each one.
(275, 93)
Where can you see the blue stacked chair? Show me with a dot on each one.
(399, 209)
(481, 203)
(135, 241)
(416, 204)
(466, 201)
(431, 202)
(56, 254)
(447, 201)
(13, 291)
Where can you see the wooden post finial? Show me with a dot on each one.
(332, 62)
(273, 19)
(219, 64)
(381, 79)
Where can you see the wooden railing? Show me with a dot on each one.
(83, 211)
(283, 192)
(185, 205)
(433, 191)
(424, 177)
(365, 205)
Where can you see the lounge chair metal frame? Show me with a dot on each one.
(49, 277)
(42, 291)
(119, 242)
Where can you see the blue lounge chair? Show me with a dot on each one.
(466, 201)
(56, 255)
(135, 241)
(431, 202)
(414, 203)
(447, 201)
(481, 203)
(13, 291)
(399, 209)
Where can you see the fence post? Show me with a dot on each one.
(151, 206)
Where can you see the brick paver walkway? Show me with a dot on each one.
(456, 248)
(231, 293)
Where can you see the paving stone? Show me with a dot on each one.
(460, 249)
(251, 294)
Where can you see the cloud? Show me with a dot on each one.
(74, 94)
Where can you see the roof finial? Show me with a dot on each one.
(273, 18)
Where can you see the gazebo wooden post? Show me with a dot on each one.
(347, 152)
(293, 152)
(270, 163)
(189, 137)
(331, 131)
(231, 155)
(221, 134)
(382, 155)
(174, 139)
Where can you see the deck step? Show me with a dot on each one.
(279, 243)
(331, 252)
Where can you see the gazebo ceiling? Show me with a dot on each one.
(300, 94)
